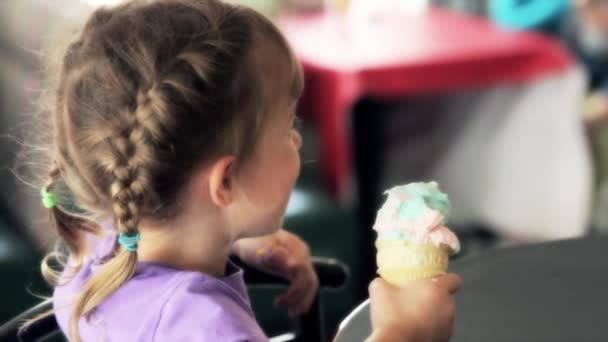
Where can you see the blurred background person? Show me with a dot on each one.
(582, 25)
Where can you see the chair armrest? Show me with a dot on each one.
(332, 273)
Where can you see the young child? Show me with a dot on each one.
(173, 125)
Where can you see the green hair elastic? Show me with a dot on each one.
(129, 242)
(49, 200)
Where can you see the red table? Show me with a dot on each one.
(435, 52)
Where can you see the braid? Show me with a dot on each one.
(151, 117)
(126, 195)
(133, 152)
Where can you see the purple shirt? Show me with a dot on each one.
(160, 303)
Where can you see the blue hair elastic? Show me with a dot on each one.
(129, 242)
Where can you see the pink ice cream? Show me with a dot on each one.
(416, 212)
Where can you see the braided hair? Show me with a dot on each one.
(147, 92)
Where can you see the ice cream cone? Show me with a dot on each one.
(400, 261)
(413, 242)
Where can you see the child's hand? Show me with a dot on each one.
(422, 310)
(285, 255)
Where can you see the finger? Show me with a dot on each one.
(297, 287)
(291, 298)
(302, 304)
(306, 279)
(300, 287)
(300, 295)
(379, 285)
(451, 282)
(301, 307)
(293, 265)
(280, 300)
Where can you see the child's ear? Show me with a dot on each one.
(221, 181)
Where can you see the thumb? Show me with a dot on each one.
(380, 286)
(451, 282)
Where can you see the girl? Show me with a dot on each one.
(173, 121)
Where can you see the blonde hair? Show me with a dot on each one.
(147, 92)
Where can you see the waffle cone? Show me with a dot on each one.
(400, 261)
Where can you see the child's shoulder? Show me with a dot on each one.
(160, 303)
(205, 308)
(163, 304)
